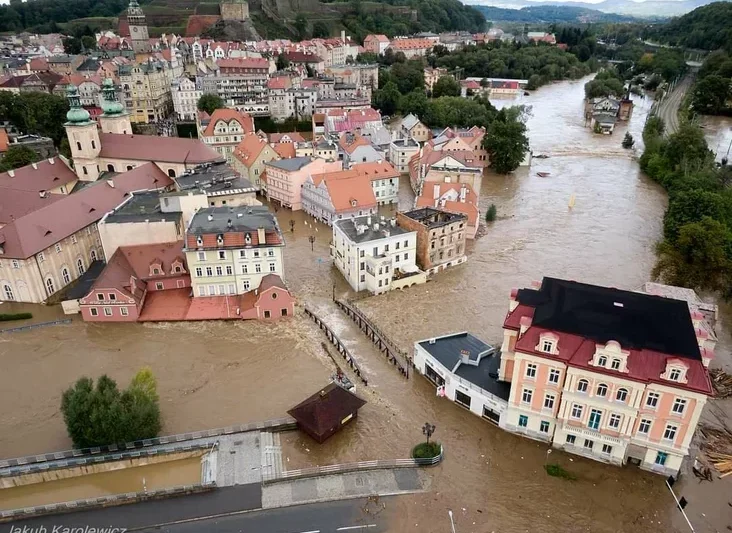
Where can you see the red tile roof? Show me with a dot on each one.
(162, 149)
(278, 82)
(350, 193)
(376, 170)
(411, 44)
(302, 57)
(227, 115)
(292, 136)
(39, 64)
(243, 62)
(143, 178)
(248, 150)
(15, 203)
(44, 177)
(117, 275)
(285, 150)
(142, 256)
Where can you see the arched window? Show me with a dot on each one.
(78, 146)
(582, 385)
(93, 255)
(80, 266)
(8, 290)
(110, 167)
(65, 275)
(621, 395)
(171, 173)
(602, 390)
(602, 361)
(50, 288)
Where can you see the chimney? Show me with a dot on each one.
(51, 161)
(393, 222)
(11, 173)
(463, 192)
(110, 183)
(229, 224)
(525, 323)
(35, 167)
(261, 236)
(436, 193)
(513, 300)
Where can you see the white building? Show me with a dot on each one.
(185, 98)
(400, 152)
(375, 254)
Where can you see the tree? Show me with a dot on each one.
(321, 30)
(72, 45)
(408, 76)
(689, 206)
(628, 141)
(301, 26)
(387, 100)
(490, 214)
(711, 94)
(89, 42)
(446, 86)
(16, 157)
(506, 140)
(100, 415)
(210, 102)
(415, 102)
(35, 112)
(282, 62)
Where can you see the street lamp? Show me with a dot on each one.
(312, 241)
(292, 225)
(427, 430)
(452, 523)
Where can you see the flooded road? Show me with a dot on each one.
(131, 479)
(214, 374)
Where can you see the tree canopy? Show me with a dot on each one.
(210, 102)
(708, 28)
(35, 112)
(713, 89)
(446, 86)
(506, 140)
(100, 414)
(606, 83)
(16, 157)
(17, 15)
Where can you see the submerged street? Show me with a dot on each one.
(216, 374)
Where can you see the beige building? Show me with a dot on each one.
(224, 130)
(440, 237)
(250, 157)
(147, 93)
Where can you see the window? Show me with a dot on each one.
(222, 254)
(283, 311)
(614, 421)
(670, 432)
(110, 167)
(201, 256)
(202, 291)
(652, 399)
(58, 248)
(222, 290)
(547, 346)
(588, 444)
(272, 267)
(571, 439)
(156, 271)
(93, 255)
(267, 314)
(93, 311)
(674, 374)
(219, 271)
(244, 269)
(232, 288)
(107, 311)
(16, 264)
(602, 361)
(644, 426)
(123, 311)
(406, 256)
(159, 286)
(242, 254)
(229, 270)
(78, 146)
(209, 271)
(615, 365)
(406, 244)
(41, 257)
(50, 288)
(245, 284)
(523, 421)
(112, 297)
(554, 375)
(530, 370)
(256, 253)
(602, 390)
(679, 406)
(171, 173)
(363, 278)
(257, 268)
(199, 272)
(582, 385)
(544, 426)
(8, 290)
(661, 458)
(549, 401)
(606, 448)
(577, 411)
(73, 239)
(84, 168)
(621, 395)
(526, 396)
(595, 417)
(65, 276)
(462, 399)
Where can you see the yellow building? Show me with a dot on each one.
(146, 89)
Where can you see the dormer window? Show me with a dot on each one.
(248, 238)
(674, 374)
(615, 365)
(546, 346)
(548, 343)
(676, 370)
(199, 241)
(602, 361)
(219, 239)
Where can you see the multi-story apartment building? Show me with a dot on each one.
(440, 237)
(185, 98)
(230, 249)
(240, 82)
(224, 130)
(146, 89)
(286, 101)
(375, 254)
(338, 195)
(401, 152)
(250, 156)
(285, 178)
(384, 180)
(376, 44)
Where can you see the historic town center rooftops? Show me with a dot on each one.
(141, 207)
(367, 228)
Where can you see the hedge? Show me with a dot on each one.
(4, 317)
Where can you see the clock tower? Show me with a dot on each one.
(138, 28)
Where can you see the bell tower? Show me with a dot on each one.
(83, 137)
(138, 28)
(115, 118)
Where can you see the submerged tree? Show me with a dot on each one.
(628, 141)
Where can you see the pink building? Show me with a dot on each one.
(285, 178)
(376, 44)
(270, 301)
(118, 294)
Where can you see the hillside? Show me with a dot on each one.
(707, 28)
(550, 14)
(652, 9)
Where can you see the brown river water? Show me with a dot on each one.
(215, 374)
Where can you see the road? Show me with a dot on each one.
(668, 109)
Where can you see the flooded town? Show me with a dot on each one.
(582, 217)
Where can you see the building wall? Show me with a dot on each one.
(114, 234)
(400, 156)
(448, 240)
(234, 10)
(273, 302)
(234, 199)
(27, 278)
(286, 187)
(106, 309)
(386, 190)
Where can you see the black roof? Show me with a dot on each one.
(141, 207)
(448, 350)
(83, 285)
(635, 320)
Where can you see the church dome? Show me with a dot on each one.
(76, 113)
(110, 105)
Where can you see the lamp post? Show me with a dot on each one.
(427, 430)
(311, 239)
(292, 225)
(452, 523)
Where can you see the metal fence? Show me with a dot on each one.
(34, 326)
(353, 467)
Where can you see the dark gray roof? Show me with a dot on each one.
(294, 163)
(242, 218)
(89, 64)
(60, 59)
(141, 207)
(348, 226)
(405, 143)
(83, 285)
(213, 177)
(431, 217)
(485, 375)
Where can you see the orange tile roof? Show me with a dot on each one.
(227, 115)
(339, 174)
(243, 62)
(376, 170)
(284, 150)
(469, 207)
(142, 256)
(411, 44)
(248, 150)
(356, 141)
(345, 191)
(3, 140)
(293, 136)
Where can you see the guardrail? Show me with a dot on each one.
(34, 326)
(277, 424)
(353, 467)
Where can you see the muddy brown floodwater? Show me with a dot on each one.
(214, 374)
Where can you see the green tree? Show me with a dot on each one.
(408, 76)
(506, 140)
(282, 62)
(301, 26)
(210, 102)
(711, 94)
(100, 415)
(387, 100)
(89, 42)
(689, 206)
(628, 141)
(446, 86)
(321, 30)
(72, 45)
(415, 102)
(688, 148)
(16, 157)
(490, 214)
(35, 112)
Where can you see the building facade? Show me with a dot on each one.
(224, 130)
(185, 98)
(440, 237)
(146, 89)
(286, 177)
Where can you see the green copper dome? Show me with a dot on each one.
(76, 114)
(110, 105)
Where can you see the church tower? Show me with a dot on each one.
(83, 137)
(114, 119)
(138, 28)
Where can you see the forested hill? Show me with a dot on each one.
(550, 14)
(708, 28)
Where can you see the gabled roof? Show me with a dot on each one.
(117, 275)
(324, 412)
(159, 149)
(285, 150)
(227, 115)
(291, 164)
(141, 257)
(147, 176)
(350, 193)
(41, 176)
(350, 141)
(292, 136)
(15, 203)
(271, 280)
(248, 150)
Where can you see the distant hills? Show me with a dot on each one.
(707, 28)
(551, 14)
(648, 9)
